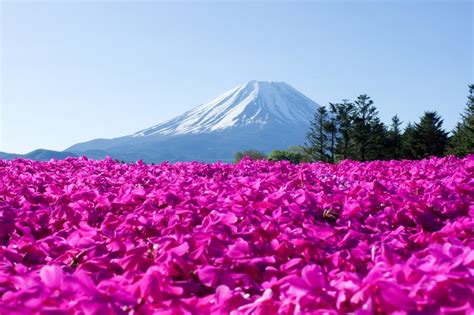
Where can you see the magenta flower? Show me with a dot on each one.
(98, 237)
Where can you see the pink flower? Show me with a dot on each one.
(52, 276)
(82, 236)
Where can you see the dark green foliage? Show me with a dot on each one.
(317, 136)
(303, 151)
(393, 141)
(252, 154)
(368, 132)
(343, 113)
(350, 130)
(376, 149)
(428, 138)
(408, 141)
(330, 128)
(282, 155)
(353, 130)
(462, 141)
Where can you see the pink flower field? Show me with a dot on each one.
(99, 237)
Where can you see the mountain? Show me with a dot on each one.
(253, 103)
(8, 156)
(46, 155)
(257, 114)
(39, 155)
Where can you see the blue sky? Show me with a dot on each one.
(74, 71)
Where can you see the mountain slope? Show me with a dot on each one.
(39, 155)
(256, 114)
(251, 103)
(46, 155)
(8, 156)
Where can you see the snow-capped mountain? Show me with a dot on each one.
(251, 103)
(254, 115)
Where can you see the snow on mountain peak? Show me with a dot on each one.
(252, 103)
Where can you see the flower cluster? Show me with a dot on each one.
(100, 237)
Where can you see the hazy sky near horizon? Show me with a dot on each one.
(78, 70)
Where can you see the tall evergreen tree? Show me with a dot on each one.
(462, 141)
(376, 149)
(331, 131)
(394, 139)
(368, 132)
(429, 137)
(408, 141)
(317, 137)
(343, 112)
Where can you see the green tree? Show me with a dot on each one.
(377, 139)
(462, 141)
(368, 132)
(282, 155)
(304, 151)
(343, 112)
(330, 129)
(429, 137)
(394, 139)
(252, 154)
(317, 137)
(408, 141)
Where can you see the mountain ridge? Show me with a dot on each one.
(253, 102)
(262, 115)
(38, 155)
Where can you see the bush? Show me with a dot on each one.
(282, 155)
(252, 154)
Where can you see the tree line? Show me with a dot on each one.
(353, 130)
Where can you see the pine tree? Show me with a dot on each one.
(331, 131)
(376, 149)
(368, 132)
(394, 139)
(462, 141)
(429, 137)
(317, 137)
(408, 141)
(343, 113)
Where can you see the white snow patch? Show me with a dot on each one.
(254, 102)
